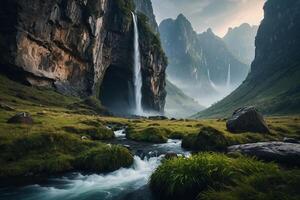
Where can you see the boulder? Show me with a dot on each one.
(281, 152)
(21, 118)
(290, 140)
(247, 119)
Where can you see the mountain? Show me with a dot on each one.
(200, 64)
(82, 48)
(241, 42)
(178, 104)
(273, 85)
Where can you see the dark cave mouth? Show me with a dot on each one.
(117, 92)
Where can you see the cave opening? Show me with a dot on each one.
(116, 91)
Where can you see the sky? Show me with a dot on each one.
(216, 14)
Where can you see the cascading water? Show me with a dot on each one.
(210, 81)
(116, 185)
(228, 77)
(137, 70)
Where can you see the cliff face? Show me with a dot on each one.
(145, 7)
(241, 42)
(80, 47)
(273, 84)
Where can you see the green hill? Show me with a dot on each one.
(179, 104)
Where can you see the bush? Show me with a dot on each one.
(104, 159)
(208, 139)
(152, 134)
(280, 185)
(185, 178)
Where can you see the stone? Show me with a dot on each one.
(291, 140)
(6, 107)
(247, 119)
(281, 152)
(21, 118)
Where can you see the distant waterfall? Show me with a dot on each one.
(137, 69)
(228, 76)
(210, 81)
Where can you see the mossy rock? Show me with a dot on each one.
(208, 139)
(151, 134)
(105, 159)
(185, 178)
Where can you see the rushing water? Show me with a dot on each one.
(137, 69)
(123, 184)
(210, 81)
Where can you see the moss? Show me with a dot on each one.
(149, 38)
(152, 134)
(279, 185)
(185, 178)
(105, 159)
(208, 139)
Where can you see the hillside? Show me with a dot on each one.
(178, 104)
(274, 82)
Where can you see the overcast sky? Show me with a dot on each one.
(216, 14)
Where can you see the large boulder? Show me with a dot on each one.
(247, 119)
(21, 118)
(282, 152)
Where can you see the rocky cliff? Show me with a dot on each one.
(145, 7)
(241, 42)
(273, 84)
(80, 47)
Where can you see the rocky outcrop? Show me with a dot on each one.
(73, 45)
(247, 119)
(273, 85)
(285, 153)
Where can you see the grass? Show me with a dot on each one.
(185, 178)
(279, 185)
(53, 143)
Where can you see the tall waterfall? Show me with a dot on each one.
(137, 69)
(210, 81)
(228, 76)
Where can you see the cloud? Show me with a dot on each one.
(216, 14)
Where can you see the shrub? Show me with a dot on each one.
(185, 178)
(208, 139)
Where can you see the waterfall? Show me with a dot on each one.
(228, 76)
(210, 81)
(137, 70)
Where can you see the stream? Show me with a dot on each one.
(123, 184)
